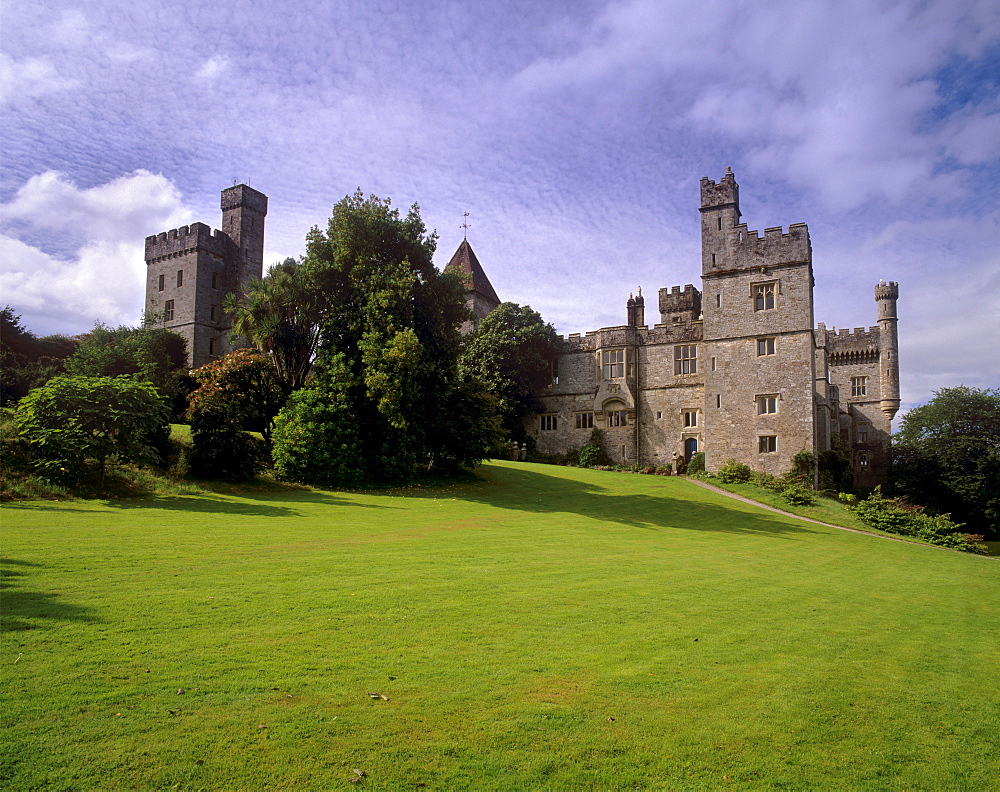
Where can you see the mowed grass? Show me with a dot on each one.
(541, 628)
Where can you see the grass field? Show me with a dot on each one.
(540, 628)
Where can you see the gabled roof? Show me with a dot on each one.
(465, 261)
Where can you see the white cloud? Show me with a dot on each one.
(29, 77)
(212, 68)
(103, 279)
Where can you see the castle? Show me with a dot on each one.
(191, 269)
(737, 369)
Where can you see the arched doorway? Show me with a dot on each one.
(690, 447)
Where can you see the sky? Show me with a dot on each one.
(573, 132)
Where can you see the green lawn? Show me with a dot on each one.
(545, 627)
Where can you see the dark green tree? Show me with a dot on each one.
(71, 421)
(386, 400)
(946, 456)
(512, 353)
(25, 360)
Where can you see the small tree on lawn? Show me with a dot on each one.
(72, 420)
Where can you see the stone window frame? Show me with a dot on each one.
(764, 294)
(767, 346)
(585, 420)
(859, 386)
(549, 422)
(180, 278)
(161, 282)
(685, 359)
(861, 432)
(617, 417)
(613, 363)
(864, 461)
(215, 281)
(767, 444)
(168, 311)
(213, 312)
(689, 418)
(211, 346)
(767, 403)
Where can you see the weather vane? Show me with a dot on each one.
(465, 225)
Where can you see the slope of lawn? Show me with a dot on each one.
(542, 627)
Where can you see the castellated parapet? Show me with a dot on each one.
(186, 239)
(749, 250)
(191, 270)
(676, 305)
(738, 369)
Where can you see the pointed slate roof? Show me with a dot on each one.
(465, 261)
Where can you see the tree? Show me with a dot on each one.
(946, 456)
(147, 354)
(386, 399)
(71, 420)
(281, 314)
(25, 360)
(512, 353)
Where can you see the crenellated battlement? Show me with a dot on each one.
(749, 250)
(723, 193)
(674, 303)
(196, 236)
(849, 347)
(887, 291)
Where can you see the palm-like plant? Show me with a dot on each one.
(281, 315)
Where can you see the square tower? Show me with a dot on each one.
(190, 271)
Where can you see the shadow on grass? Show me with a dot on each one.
(209, 503)
(21, 605)
(544, 492)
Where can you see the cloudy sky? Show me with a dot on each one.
(574, 132)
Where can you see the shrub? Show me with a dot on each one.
(316, 441)
(766, 481)
(798, 495)
(70, 421)
(734, 472)
(697, 463)
(592, 454)
(220, 449)
(894, 515)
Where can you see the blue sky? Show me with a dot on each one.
(574, 133)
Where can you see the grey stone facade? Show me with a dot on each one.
(737, 369)
(191, 269)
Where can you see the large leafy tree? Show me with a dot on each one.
(281, 314)
(70, 421)
(512, 353)
(387, 398)
(946, 456)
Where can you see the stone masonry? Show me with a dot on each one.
(191, 269)
(737, 370)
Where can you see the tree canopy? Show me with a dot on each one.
(512, 352)
(946, 456)
(387, 397)
(71, 420)
(27, 361)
